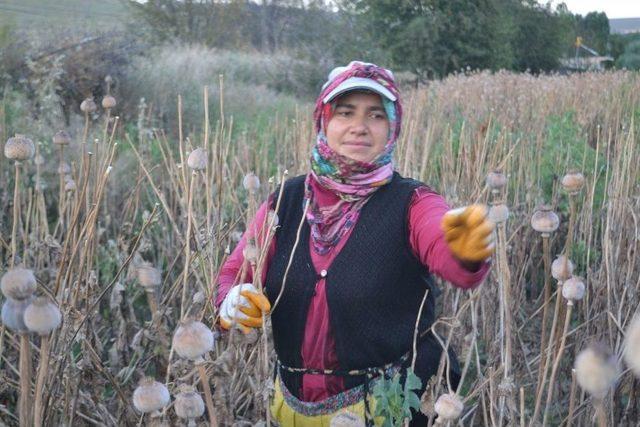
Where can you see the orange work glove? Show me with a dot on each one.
(243, 306)
(469, 233)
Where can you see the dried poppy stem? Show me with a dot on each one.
(601, 416)
(542, 370)
(43, 368)
(187, 247)
(153, 305)
(522, 420)
(61, 183)
(504, 277)
(556, 363)
(567, 255)
(572, 398)
(208, 398)
(546, 354)
(24, 403)
(16, 208)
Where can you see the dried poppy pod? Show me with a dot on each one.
(632, 345)
(507, 387)
(573, 290)
(108, 102)
(61, 137)
(561, 268)
(498, 213)
(235, 235)
(496, 180)
(70, 185)
(108, 79)
(251, 183)
(19, 148)
(88, 106)
(250, 251)
(197, 159)
(40, 185)
(346, 419)
(42, 316)
(192, 340)
(64, 168)
(13, 314)
(39, 160)
(597, 370)
(149, 276)
(448, 407)
(188, 404)
(18, 283)
(150, 395)
(545, 220)
(272, 218)
(573, 182)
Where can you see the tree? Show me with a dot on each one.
(435, 37)
(619, 42)
(594, 30)
(630, 59)
(539, 42)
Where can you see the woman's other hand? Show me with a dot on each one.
(243, 306)
(469, 233)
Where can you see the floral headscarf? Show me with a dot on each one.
(351, 180)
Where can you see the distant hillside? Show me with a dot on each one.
(625, 25)
(62, 14)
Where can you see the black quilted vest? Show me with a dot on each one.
(374, 286)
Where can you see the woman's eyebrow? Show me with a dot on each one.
(353, 107)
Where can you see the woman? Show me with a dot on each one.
(356, 245)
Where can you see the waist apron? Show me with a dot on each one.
(289, 411)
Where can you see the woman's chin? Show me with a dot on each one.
(363, 159)
(358, 156)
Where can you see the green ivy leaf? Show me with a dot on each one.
(413, 382)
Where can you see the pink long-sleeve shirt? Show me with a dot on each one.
(318, 348)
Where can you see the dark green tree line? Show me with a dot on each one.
(430, 38)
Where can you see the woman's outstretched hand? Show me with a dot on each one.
(243, 306)
(469, 233)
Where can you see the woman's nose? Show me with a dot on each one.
(359, 125)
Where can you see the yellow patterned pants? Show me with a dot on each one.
(286, 416)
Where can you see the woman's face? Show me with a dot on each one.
(359, 126)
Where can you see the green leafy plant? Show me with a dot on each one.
(395, 400)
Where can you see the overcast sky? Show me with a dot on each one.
(613, 8)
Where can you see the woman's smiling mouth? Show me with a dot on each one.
(357, 143)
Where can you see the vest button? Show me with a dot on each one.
(323, 273)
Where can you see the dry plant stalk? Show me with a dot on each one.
(479, 121)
